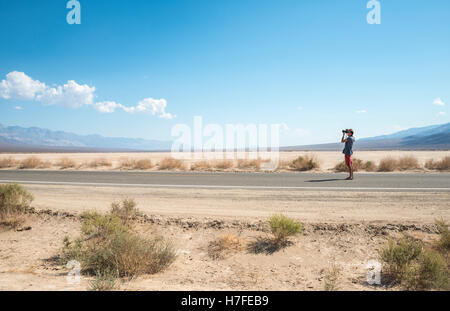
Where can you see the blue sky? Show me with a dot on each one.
(316, 66)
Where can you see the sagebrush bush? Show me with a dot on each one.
(65, 163)
(15, 202)
(357, 165)
(125, 210)
(429, 271)
(442, 165)
(107, 245)
(387, 165)
(283, 227)
(103, 281)
(143, 164)
(33, 162)
(443, 243)
(8, 162)
(370, 166)
(407, 163)
(126, 163)
(304, 163)
(223, 165)
(249, 164)
(100, 162)
(171, 163)
(201, 166)
(397, 255)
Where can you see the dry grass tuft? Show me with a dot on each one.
(442, 165)
(225, 245)
(407, 163)
(249, 164)
(331, 278)
(143, 164)
(304, 163)
(108, 247)
(358, 165)
(223, 165)
(171, 164)
(33, 162)
(15, 203)
(201, 166)
(8, 162)
(65, 163)
(387, 165)
(100, 162)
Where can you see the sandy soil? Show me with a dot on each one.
(326, 159)
(344, 229)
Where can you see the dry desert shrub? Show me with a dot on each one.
(225, 245)
(304, 163)
(108, 248)
(358, 165)
(331, 278)
(407, 262)
(65, 163)
(282, 227)
(126, 210)
(442, 165)
(171, 164)
(126, 163)
(100, 162)
(8, 162)
(223, 165)
(143, 164)
(387, 165)
(201, 166)
(33, 162)
(443, 244)
(15, 203)
(407, 163)
(249, 164)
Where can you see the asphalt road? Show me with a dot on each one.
(307, 181)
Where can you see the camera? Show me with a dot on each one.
(346, 131)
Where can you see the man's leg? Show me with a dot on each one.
(348, 162)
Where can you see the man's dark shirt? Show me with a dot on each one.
(349, 145)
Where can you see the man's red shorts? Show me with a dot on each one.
(348, 160)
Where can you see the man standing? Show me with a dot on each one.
(349, 140)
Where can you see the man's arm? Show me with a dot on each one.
(342, 139)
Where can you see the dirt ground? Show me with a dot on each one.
(327, 159)
(341, 229)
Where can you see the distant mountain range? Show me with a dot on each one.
(434, 137)
(16, 138)
(34, 139)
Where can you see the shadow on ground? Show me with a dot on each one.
(265, 245)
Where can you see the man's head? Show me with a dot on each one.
(350, 132)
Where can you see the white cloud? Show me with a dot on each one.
(438, 102)
(18, 85)
(361, 111)
(18, 108)
(299, 108)
(71, 95)
(441, 113)
(151, 106)
(106, 107)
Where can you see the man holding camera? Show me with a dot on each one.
(349, 140)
